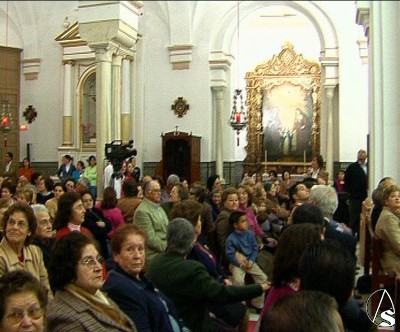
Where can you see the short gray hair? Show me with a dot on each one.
(325, 197)
(37, 208)
(180, 236)
(172, 179)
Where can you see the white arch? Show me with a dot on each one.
(222, 38)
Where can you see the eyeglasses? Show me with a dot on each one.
(20, 224)
(191, 193)
(157, 191)
(16, 316)
(91, 262)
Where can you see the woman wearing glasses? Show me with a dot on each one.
(76, 274)
(23, 301)
(16, 251)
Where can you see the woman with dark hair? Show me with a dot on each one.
(52, 203)
(26, 170)
(317, 171)
(16, 251)
(45, 190)
(214, 182)
(96, 223)
(8, 190)
(91, 174)
(23, 302)
(110, 210)
(285, 276)
(70, 215)
(134, 293)
(129, 200)
(76, 274)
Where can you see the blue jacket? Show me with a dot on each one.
(140, 301)
(244, 242)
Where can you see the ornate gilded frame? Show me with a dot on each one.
(287, 67)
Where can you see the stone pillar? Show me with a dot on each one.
(126, 100)
(219, 93)
(103, 108)
(384, 137)
(329, 131)
(67, 106)
(116, 97)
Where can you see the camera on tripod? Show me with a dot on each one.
(117, 152)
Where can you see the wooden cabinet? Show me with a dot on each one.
(181, 155)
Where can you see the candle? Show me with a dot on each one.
(237, 117)
(304, 156)
(266, 155)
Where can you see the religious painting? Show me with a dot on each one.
(283, 99)
(287, 112)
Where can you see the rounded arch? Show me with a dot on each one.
(221, 40)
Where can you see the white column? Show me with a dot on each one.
(384, 138)
(219, 93)
(103, 109)
(67, 105)
(116, 97)
(125, 100)
(329, 131)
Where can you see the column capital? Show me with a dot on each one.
(68, 62)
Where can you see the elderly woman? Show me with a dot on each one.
(44, 234)
(16, 252)
(189, 284)
(76, 274)
(388, 228)
(178, 193)
(22, 301)
(70, 215)
(234, 314)
(132, 291)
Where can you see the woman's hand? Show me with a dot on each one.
(101, 223)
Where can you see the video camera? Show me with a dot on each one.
(117, 152)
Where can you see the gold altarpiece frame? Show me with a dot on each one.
(283, 100)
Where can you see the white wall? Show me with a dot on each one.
(37, 23)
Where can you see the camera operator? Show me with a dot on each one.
(117, 152)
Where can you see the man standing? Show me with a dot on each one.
(10, 169)
(152, 219)
(356, 185)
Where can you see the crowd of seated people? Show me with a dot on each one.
(86, 253)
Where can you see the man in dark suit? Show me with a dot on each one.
(187, 282)
(10, 169)
(356, 185)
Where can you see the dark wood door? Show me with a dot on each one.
(181, 156)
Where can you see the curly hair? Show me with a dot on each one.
(64, 211)
(30, 216)
(19, 281)
(65, 255)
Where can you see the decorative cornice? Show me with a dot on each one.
(362, 17)
(31, 68)
(363, 48)
(180, 56)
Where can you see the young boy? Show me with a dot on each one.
(242, 251)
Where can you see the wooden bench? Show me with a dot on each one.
(379, 279)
